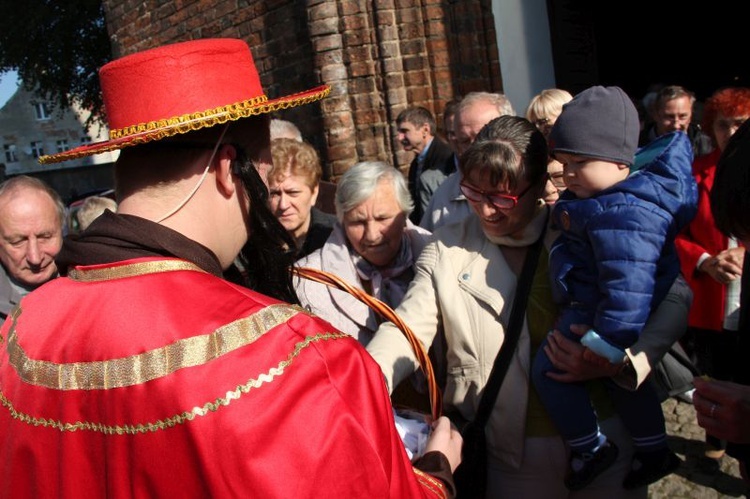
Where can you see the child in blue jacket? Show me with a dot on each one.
(612, 264)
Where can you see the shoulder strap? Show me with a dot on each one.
(512, 333)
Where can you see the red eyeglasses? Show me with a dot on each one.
(500, 201)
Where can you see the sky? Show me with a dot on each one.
(8, 86)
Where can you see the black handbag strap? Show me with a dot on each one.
(512, 333)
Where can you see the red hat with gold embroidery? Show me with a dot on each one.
(180, 88)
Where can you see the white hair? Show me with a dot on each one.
(91, 208)
(283, 129)
(359, 183)
(500, 101)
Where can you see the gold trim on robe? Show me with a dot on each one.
(180, 418)
(435, 486)
(146, 366)
(153, 364)
(131, 270)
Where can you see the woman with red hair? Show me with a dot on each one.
(712, 262)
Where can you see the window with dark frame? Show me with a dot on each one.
(37, 149)
(42, 111)
(10, 153)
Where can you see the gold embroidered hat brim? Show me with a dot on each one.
(161, 129)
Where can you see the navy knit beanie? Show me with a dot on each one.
(599, 123)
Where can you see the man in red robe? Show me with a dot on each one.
(142, 373)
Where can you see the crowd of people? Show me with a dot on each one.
(578, 244)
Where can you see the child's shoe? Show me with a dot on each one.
(584, 467)
(650, 467)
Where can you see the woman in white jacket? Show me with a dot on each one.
(373, 246)
(465, 285)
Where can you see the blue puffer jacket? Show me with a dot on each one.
(615, 258)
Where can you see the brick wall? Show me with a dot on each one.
(379, 56)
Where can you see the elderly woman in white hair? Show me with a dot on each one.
(373, 246)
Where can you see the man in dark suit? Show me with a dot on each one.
(433, 162)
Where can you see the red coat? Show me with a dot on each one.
(702, 236)
(152, 378)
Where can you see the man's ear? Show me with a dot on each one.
(224, 177)
(314, 197)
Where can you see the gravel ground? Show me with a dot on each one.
(686, 439)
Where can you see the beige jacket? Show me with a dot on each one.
(463, 284)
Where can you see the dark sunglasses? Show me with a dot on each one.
(500, 201)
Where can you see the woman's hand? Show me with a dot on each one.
(576, 362)
(445, 438)
(726, 266)
(723, 409)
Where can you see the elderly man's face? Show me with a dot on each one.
(30, 236)
(374, 227)
(469, 121)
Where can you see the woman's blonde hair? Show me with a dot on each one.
(300, 157)
(548, 102)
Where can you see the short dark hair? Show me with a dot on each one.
(451, 108)
(672, 92)
(418, 116)
(508, 148)
(730, 202)
(163, 162)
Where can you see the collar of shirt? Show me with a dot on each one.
(423, 154)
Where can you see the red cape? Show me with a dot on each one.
(152, 378)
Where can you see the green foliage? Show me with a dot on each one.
(57, 47)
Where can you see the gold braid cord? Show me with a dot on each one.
(431, 483)
(161, 129)
(184, 417)
(388, 313)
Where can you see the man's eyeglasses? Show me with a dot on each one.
(557, 179)
(500, 201)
